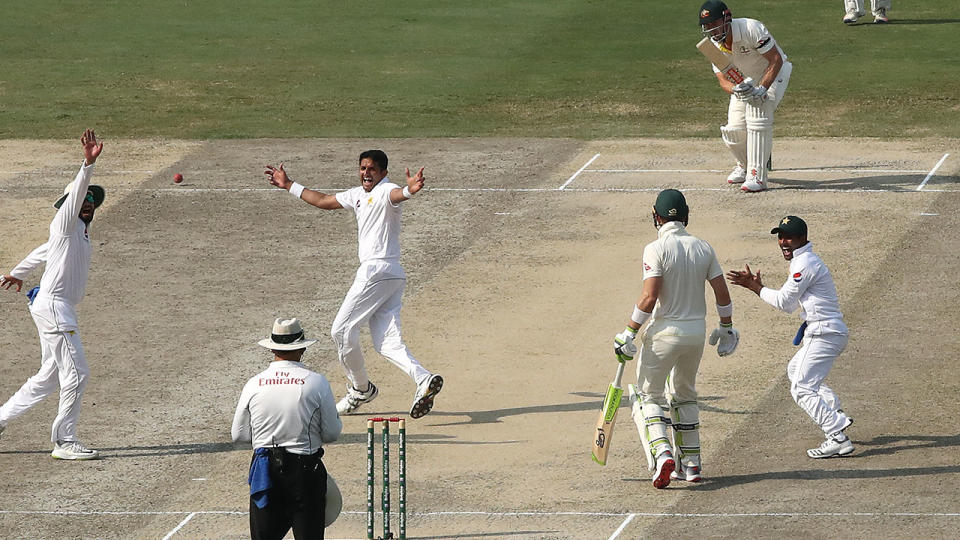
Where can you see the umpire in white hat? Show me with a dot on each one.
(287, 412)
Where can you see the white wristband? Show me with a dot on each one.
(725, 311)
(296, 190)
(406, 192)
(639, 316)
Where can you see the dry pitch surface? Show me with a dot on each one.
(516, 287)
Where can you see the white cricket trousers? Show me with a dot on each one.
(63, 364)
(673, 357)
(807, 370)
(375, 297)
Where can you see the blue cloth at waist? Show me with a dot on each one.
(259, 478)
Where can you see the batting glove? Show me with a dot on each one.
(623, 345)
(727, 337)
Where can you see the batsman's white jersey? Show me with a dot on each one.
(288, 406)
(672, 344)
(377, 291)
(67, 257)
(810, 287)
(751, 40)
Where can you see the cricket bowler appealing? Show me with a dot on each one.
(749, 130)
(67, 257)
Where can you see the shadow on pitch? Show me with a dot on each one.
(160, 450)
(882, 445)
(907, 182)
(489, 534)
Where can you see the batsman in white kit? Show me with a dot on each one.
(53, 306)
(756, 87)
(375, 298)
(823, 334)
(676, 268)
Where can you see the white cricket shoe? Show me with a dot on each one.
(738, 175)
(73, 450)
(689, 473)
(880, 16)
(665, 467)
(852, 16)
(426, 391)
(355, 398)
(753, 184)
(837, 444)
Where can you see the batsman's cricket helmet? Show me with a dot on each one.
(710, 12)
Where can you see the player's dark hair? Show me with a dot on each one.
(378, 156)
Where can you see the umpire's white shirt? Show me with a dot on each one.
(751, 40)
(289, 406)
(810, 287)
(684, 262)
(378, 221)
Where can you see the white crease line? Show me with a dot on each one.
(932, 172)
(572, 178)
(694, 171)
(180, 526)
(928, 214)
(623, 526)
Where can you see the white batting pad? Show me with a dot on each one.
(686, 432)
(736, 141)
(759, 138)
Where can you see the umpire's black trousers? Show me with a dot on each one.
(297, 498)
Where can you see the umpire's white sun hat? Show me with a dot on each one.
(287, 335)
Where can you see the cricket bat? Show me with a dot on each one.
(608, 416)
(721, 60)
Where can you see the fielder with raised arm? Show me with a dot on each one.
(376, 296)
(675, 267)
(62, 286)
(823, 333)
(749, 130)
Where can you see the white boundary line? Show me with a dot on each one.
(576, 174)
(932, 172)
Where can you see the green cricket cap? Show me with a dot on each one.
(790, 226)
(671, 205)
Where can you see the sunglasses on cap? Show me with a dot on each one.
(89, 198)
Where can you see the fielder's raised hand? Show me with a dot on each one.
(746, 278)
(9, 281)
(415, 182)
(91, 148)
(278, 176)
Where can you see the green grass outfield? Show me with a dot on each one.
(588, 69)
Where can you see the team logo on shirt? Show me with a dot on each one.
(763, 41)
(370, 200)
(744, 50)
(797, 277)
(358, 204)
(646, 267)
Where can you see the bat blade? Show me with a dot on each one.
(721, 60)
(603, 435)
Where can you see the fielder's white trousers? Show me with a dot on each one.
(375, 298)
(63, 365)
(807, 370)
